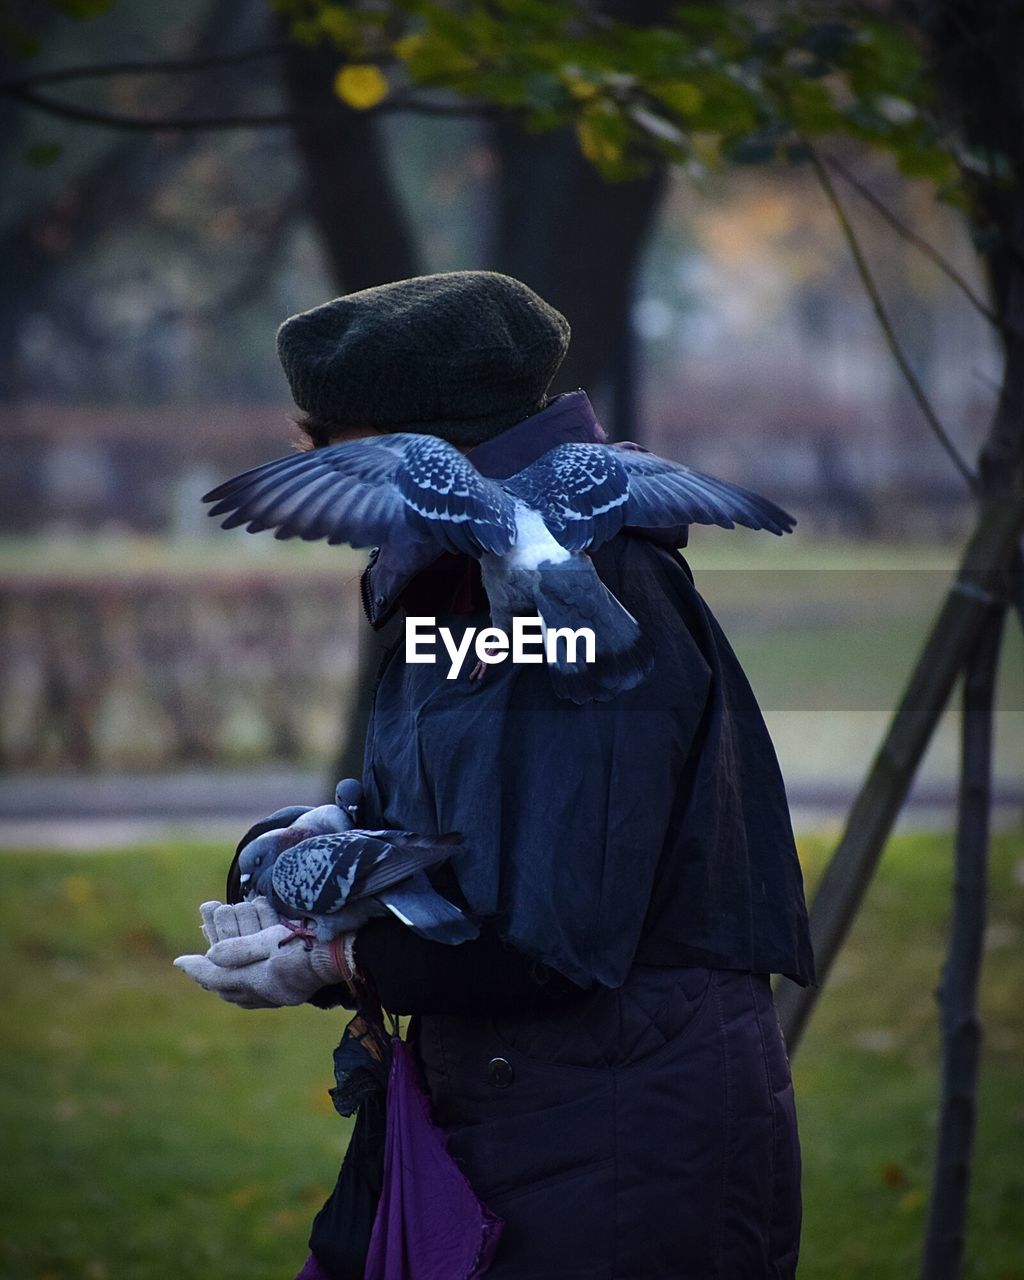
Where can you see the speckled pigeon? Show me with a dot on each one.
(530, 532)
(334, 883)
(263, 843)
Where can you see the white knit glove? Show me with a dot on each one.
(235, 919)
(247, 964)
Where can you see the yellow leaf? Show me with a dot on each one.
(591, 143)
(577, 86)
(706, 148)
(78, 890)
(244, 1197)
(680, 95)
(361, 85)
(912, 1200)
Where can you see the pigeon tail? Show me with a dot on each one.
(623, 656)
(422, 909)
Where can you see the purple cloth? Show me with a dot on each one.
(429, 1224)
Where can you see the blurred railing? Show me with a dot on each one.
(154, 671)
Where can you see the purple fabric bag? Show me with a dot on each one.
(429, 1224)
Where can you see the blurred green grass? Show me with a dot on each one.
(151, 1130)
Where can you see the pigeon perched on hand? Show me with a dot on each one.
(335, 883)
(529, 532)
(263, 843)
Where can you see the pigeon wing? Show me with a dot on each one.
(663, 494)
(405, 854)
(364, 491)
(580, 491)
(585, 493)
(320, 875)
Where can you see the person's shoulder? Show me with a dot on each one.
(650, 579)
(633, 558)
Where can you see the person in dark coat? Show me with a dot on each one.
(605, 1059)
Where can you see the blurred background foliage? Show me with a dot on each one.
(717, 315)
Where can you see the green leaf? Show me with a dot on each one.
(884, 61)
(933, 163)
(811, 106)
(337, 23)
(433, 57)
(602, 133)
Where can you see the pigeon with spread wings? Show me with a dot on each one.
(531, 532)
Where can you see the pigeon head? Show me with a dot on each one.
(348, 796)
(256, 861)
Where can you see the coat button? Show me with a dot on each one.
(499, 1072)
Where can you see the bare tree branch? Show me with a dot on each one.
(160, 66)
(918, 241)
(400, 102)
(899, 355)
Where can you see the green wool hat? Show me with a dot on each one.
(462, 355)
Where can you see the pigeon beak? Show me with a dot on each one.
(244, 878)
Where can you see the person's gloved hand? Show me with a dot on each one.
(233, 920)
(248, 966)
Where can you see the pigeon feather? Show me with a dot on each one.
(328, 878)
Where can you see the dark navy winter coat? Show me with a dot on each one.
(605, 1059)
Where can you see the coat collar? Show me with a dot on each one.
(568, 419)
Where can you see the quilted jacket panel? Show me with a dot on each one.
(646, 1134)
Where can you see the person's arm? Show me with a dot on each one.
(412, 975)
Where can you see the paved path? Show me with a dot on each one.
(76, 812)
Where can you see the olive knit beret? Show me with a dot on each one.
(461, 355)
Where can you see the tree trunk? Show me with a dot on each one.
(958, 995)
(367, 240)
(352, 200)
(955, 633)
(548, 187)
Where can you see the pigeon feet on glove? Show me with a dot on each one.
(304, 929)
